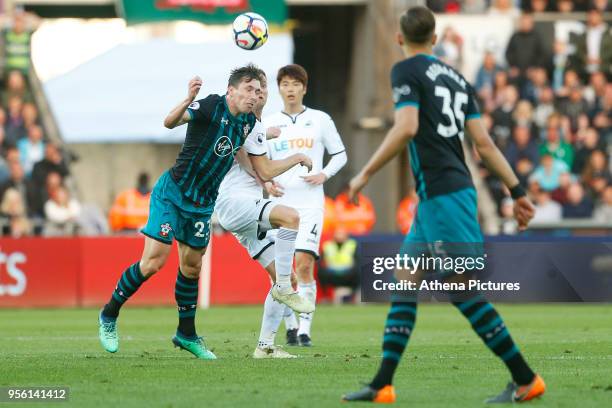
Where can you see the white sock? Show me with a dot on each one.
(271, 319)
(307, 291)
(284, 248)
(290, 319)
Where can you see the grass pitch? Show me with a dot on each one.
(445, 364)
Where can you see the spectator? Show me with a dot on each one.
(573, 106)
(61, 212)
(16, 87)
(595, 94)
(560, 62)
(565, 6)
(546, 210)
(131, 207)
(554, 145)
(340, 265)
(486, 73)
(525, 48)
(523, 116)
(504, 7)
(449, 48)
(51, 162)
(601, 116)
(537, 80)
(31, 149)
(548, 172)
(577, 206)
(14, 213)
(587, 145)
(15, 130)
(596, 175)
(355, 219)
(502, 117)
(594, 47)
(17, 40)
(18, 181)
(509, 226)
(544, 108)
(540, 6)
(603, 212)
(561, 192)
(602, 5)
(29, 113)
(522, 147)
(41, 196)
(570, 80)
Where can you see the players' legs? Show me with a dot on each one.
(287, 220)
(153, 258)
(272, 314)
(307, 287)
(398, 329)
(186, 288)
(490, 327)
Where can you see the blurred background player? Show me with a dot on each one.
(242, 210)
(434, 106)
(183, 199)
(312, 132)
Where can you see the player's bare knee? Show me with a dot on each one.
(293, 219)
(192, 269)
(152, 265)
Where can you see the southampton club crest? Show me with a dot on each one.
(247, 129)
(164, 230)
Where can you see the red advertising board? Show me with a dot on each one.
(64, 272)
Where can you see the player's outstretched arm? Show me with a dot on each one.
(404, 129)
(179, 115)
(268, 169)
(497, 163)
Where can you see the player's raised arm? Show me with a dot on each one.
(497, 163)
(268, 169)
(404, 129)
(179, 115)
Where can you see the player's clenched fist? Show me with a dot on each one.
(523, 212)
(194, 87)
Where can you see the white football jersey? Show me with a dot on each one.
(310, 132)
(237, 181)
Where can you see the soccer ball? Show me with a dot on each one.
(250, 31)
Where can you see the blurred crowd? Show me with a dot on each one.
(549, 112)
(34, 198)
(514, 7)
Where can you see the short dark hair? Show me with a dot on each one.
(418, 25)
(243, 74)
(263, 78)
(293, 71)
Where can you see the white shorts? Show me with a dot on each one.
(246, 218)
(309, 234)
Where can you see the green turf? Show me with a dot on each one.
(446, 364)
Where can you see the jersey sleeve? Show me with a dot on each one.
(472, 111)
(255, 143)
(201, 110)
(405, 85)
(331, 138)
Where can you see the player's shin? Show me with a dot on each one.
(284, 249)
(398, 328)
(186, 295)
(307, 291)
(490, 327)
(271, 320)
(128, 284)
